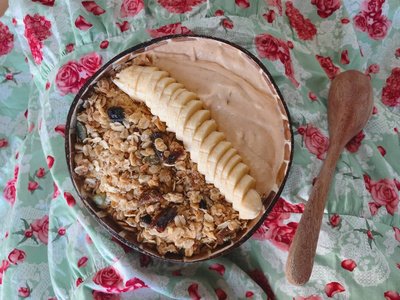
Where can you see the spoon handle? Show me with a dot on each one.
(302, 250)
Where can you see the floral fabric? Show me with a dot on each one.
(50, 248)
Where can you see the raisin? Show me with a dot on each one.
(154, 136)
(116, 114)
(163, 218)
(173, 156)
(150, 197)
(203, 204)
(146, 219)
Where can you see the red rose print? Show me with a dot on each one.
(61, 230)
(60, 129)
(354, 144)
(360, 22)
(24, 292)
(123, 26)
(45, 2)
(176, 28)
(109, 278)
(130, 8)
(277, 4)
(98, 295)
(398, 265)
(397, 233)
(32, 185)
(391, 92)
(259, 277)
(70, 199)
(345, 21)
(16, 256)
(90, 63)
(312, 96)
(392, 295)
(335, 220)
(270, 17)
(304, 28)
(249, 294)
(28, 233)
(179, 6)
(384, 192)
(6, 39)
(193, 291)
(79, 281)
(379, 28)
(283, 206)
(281, 236)
(26, 113)
(134, 284)
(40, 173)
(40, 229)
(144, 260)
(50, 161)
(374, 68)
(369, 234)
(242, 3)
(326, 63)
(272, 48)
(82, 261)
(290, 44)
(301, 130)
(221, 294)
(56, 191)
(9, 76)
(349, 265)
(31, 128)
(227, 24)
(373, 208)
(382, 150)
(218, 268)
(69, 48)
(37, 29)
(92, 7)
(344, 58)
(4, 266)
(218, 13)
(104, 44)
(68, 79)
(3, 143)
(10, 191)
(314, 180)
(316, 142)
(333, 288)
(88, 239)
(374, 110)
(326, 7)
(82, 24)
(176, 273)
(312, 297)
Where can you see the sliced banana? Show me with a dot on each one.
(214, 157)
(184, 114)
(192, 124)
(206, 148)
(189, 110)
(199, 136)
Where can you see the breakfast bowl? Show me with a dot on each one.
(137, 179)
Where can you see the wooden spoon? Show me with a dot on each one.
(350, 104)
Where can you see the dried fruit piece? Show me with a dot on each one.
(173, 156)
(203, 204)
(163, 218)
(150, 197)
(146, 219)
(116, 114)
(81, 131)
(223, 236)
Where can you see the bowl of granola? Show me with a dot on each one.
(141, 169)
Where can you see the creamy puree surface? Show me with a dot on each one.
(238, 97)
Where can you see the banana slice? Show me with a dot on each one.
(244, 185)
(205, 149)
(227, 170)
(184, 114)
(215, 156)
(192, 124)
(221, 165)
(233, 179)
(189, 110)
(199, 136)
(250, 206)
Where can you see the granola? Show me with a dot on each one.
(142, 176)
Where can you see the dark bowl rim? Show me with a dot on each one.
(143, 46)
